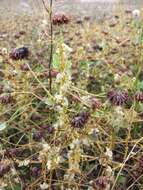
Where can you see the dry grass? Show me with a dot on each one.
(77, 137)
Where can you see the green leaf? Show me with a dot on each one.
(15, 187)
(56, 61)
(140, 85)
(2, 126)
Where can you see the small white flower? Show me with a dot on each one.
(85, 98)
(58, 98)
(94, 130)
(109, 171)
(49, 164)
(24, 163)
(85, 141)
(46, 146)
(65, 86)
(109, 153)
(3, 126)
(16, 180)
(117, 77)
(44, 23)
(44, 186)
(58, 159)
(14, 72)
(39, 41)
(56, 125)
(13, 171)
(75, 143)
(59, 108)
(136, 13)
(67, 48)
(119, 111)
(59, 78)
(4, 51)
(65, 102)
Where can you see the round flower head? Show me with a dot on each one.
(60, 18)
(4, 168)
(100, 183)
(6, 99)
(80, 120)
(19, 53)
(118, 98)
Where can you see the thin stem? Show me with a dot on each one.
(50, 13)
(51, 44)
(45, 6)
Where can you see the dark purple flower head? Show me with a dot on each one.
(61, 18)
(13, 152)
(24, 67)
(19, 53)
(100, 183)
(35, 172)
(80, 120)
(4, 168)
(38, 135)
(6, 99)
(118, 98)
(139, 96)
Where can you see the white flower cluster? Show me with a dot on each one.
(136, 13)
(61, 100)
(44, 23)
(118, 118)
(24, 163)
(52, 154)
(44, 186)
(109, 153)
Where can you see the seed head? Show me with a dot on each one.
(4, 168)
(13, 152)
(60, 19)
(118, 98)
(38, 135)
(35, 172)
(6, 99)
(80, 120)
(19, 53)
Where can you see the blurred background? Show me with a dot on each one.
(94, 8)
